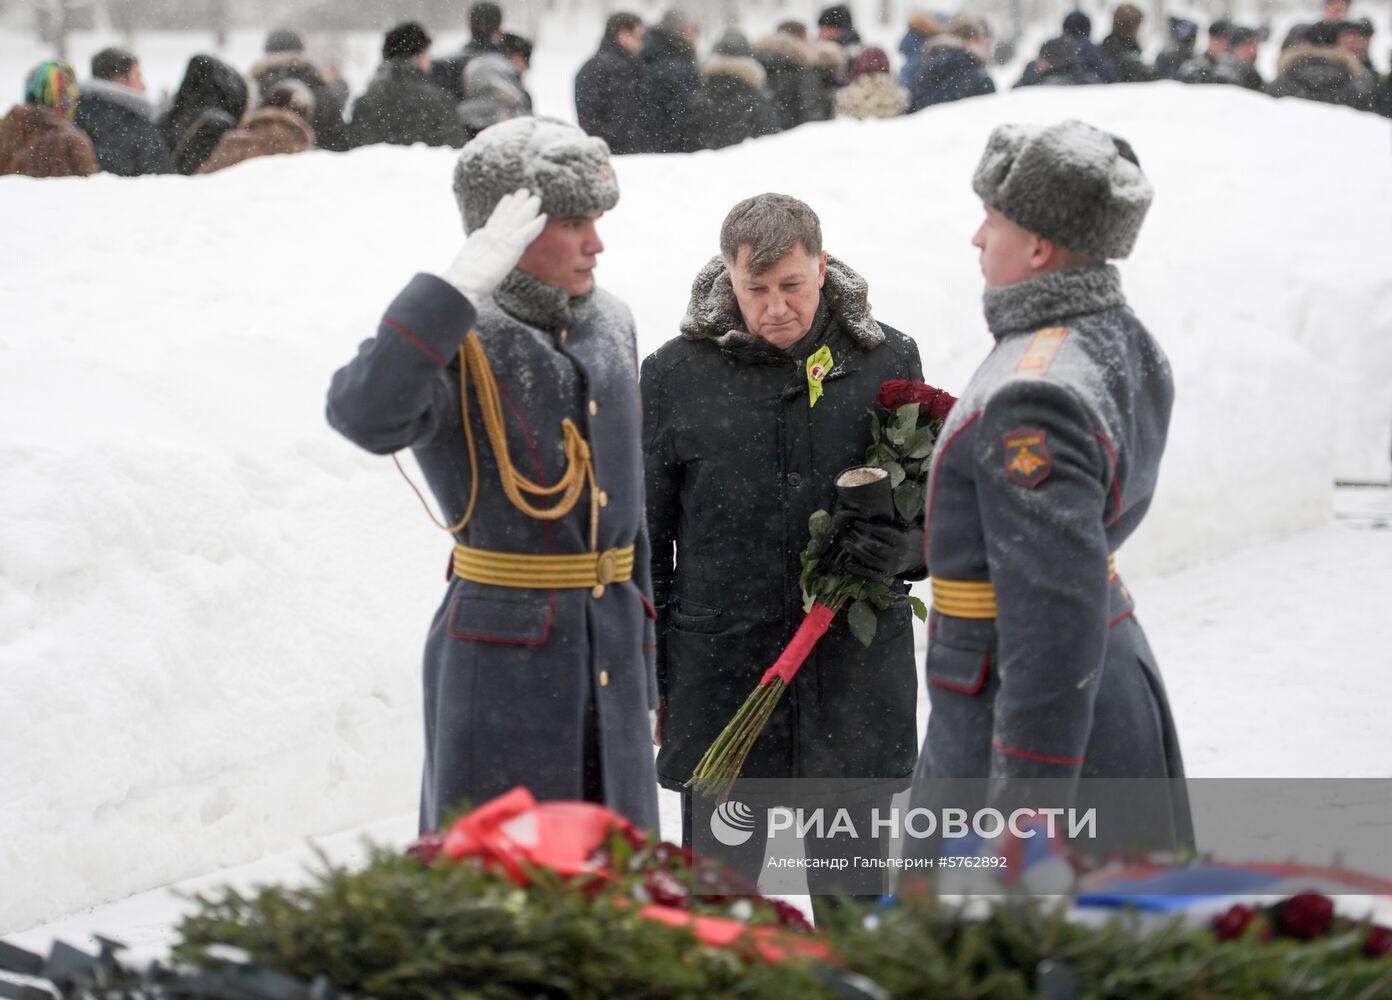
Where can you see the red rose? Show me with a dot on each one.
(1306, 916)
(897, 392)
(426, 848)
(1378, 943)
(1232, 924)
(790, 916)
(666, 889)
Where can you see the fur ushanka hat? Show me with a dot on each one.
(569, 169)
(1070, 183)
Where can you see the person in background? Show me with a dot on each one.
(872, 92)
(37, 137)
(612, 93)
(953, 64)
(493, 83)
(485, 34)
(834, 24)
(402, 106)
(1318, 70)
(921, 28)
(1060, 64)
(1200, 68)
(210, 101)
(279, 126)
(673, 78)
(114, 112)
(539, 662)
(1332, 12)
(1179, 50)
(1078, 27)
(1355, 37)
(1123, 48)
(285, 60)
(732, 104)
(803, 76)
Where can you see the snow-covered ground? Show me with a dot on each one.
(211, 608)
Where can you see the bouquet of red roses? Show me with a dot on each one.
(897, 464)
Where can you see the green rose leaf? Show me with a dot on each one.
(920, 609)
(861, 618)
(908, 500)
(896, 473)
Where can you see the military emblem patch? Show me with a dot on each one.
(1027, 459)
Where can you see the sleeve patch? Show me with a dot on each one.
(1027, 459)
(1041, 350)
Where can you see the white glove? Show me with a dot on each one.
(492, 251)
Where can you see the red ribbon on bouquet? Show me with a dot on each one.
(792, 658)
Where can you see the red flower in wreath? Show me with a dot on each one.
(898, 392)
(1306, 916)
(1378, 943)
(1233, 923)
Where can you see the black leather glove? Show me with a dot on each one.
(876, 550)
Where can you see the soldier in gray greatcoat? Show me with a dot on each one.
(539, 662)
(1037, 667)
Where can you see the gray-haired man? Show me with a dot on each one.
(1038, 669)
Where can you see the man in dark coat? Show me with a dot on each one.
(795, 81)
(285, 60)
(738, 457)
(1037, 668)
(493, 85)
(120, 121)
(951, 66)
(539, 663)
(1317, 70)
(612, 96)
(210, 101)
(670, 55)
(1183, 34)
(1078, 27)
(1122, 46)
(1234, 66)
(1197, 69)
(1060, 63)
(402, 106)
(485, 32)
(732, 104)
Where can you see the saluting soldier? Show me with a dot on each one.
(515, 383)
(1037, 667)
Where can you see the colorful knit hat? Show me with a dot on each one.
(52, 84)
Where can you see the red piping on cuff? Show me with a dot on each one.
(1036, 756)
(417, 341)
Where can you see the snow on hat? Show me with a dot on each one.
(870, 60)
(837, 16)
(569, 169)
(284, 40)
(405, 40)
(1070, 183)
(52, 84)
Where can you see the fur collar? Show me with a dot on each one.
(1301, 54)
(303, 69)
(780, 43)
(1047, 300)
(113, 93)
(713, 313)
(279, 118)
(538, 304)
(745, 68)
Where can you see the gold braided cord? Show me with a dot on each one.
(579, 461)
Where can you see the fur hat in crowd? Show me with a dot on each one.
(1070, 183)
(569, 169)
(836, 16)
(405, 40)
(733, 44)
(284, 40)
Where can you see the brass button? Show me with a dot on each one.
(603, 499)
(606, 569)
(594, 408)
(604, 678)
(598, 591)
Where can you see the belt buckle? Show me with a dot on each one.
(607, 568)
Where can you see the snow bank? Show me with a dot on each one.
(211, 608)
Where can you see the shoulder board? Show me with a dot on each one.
(1041, 351)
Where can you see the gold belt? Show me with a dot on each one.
(977, 598)
(544, 572)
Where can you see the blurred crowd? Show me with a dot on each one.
(646, 89)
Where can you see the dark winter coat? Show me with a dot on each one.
(1061, 63)
(1045, 467)
(121, 124)
(402, 107)
(327, 124)
(448, 73)
(921, 29)
(732, 105)
(495, 93)
(1125, 54)
(1175, 55)
(521, 685)
(672, 79)
(612, 99)
(210, 101)
(1222, 69)
(40, 142)
(736, 464)
(266, 132)
(793, 81)
(948, 72)
(1322, 73)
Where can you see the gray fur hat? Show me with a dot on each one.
(569, 169)
(1070, 183)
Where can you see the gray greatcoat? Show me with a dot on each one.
(1045, 466)
(520, 684)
